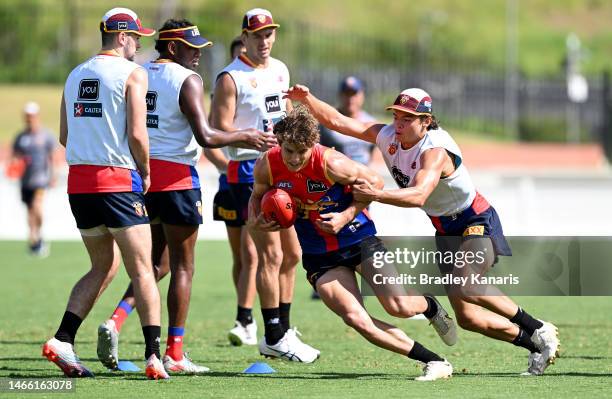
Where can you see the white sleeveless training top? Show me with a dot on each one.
(259, 98)
(94, 96)
(170, 135)
(453, 194)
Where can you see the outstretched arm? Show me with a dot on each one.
(190, 100)
(425, 181)
(329, 117)
(345, 171)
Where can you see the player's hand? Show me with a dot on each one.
(297, 93)
(364, 192)
(332, 222)
(260, 141)
(261, 224)
(146, 183)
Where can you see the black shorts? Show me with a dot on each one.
(180, 207)
(241, 193)
(27, 195)
(225, 209)
(316, 265)
(112, 210)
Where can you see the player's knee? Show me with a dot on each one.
(272, 258)
(400, 306)
(357, 320)
(290, 259)
(469, 321)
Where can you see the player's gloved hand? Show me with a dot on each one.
(260, 224)
(297, 93)
(258, 140)
(363, 191)
(332, 222)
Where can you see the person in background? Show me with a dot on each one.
(34, 148)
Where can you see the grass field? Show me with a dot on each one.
(35, 292)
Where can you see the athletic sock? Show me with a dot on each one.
(244, 316)
(422, 354)
(525, 321)
(523, 340)
(68, 327)
(284, 309)
(273, 329)
(174, 343)
(121, 313)
(151, 336)
(432, 307)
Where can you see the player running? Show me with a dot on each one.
(427, 165)
(178, 127)
(337, 237)
(249, 94)
(102, 126)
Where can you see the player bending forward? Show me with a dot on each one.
(334, 231)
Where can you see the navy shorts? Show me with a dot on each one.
(180, 207)
(469, 225)
(112, 210)
(241, 193)
(316, 265)
(224, 208)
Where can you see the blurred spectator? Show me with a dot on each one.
(34, 147)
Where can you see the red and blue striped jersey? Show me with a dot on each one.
(315, 193)
(172, 176)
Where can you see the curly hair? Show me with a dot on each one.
(299, 128)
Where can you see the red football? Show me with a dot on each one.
(278, 205)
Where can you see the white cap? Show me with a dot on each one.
(31, 108)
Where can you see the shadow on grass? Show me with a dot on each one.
(517, 375)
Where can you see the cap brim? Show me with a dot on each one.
(261, 27)
(400, 108)
(195, 42)
(145, 32)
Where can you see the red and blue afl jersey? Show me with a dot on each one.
(315, 193)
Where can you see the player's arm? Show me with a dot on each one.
(192, 106)
(261, 174)
(63, 132)
(138, 138)
(425, 181)
(329, 117)
(217, 158)
(345, 171)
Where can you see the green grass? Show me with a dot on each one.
(35, 293)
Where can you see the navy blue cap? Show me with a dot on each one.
(351, 83)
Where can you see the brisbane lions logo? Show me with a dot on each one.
(400, 178)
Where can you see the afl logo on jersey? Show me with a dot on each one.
(273, 103)
(400, 178)
(392, 148)
(285, 185)
(88, 90)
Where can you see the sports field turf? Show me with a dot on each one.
(34, 294)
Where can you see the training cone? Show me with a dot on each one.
(259, 368)
(126, 365)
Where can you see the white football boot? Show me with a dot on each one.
(295, 335)
(288, 348)
(155, 369)
(64, 356)
(546, 339)
(435, 370)
(243, 335)
(443, 324)
(183, 366)
(108, 344)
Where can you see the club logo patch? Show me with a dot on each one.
(413, 166)
(400, 178)
(253, 82)
(140, 209)
(314, 186)
(392, 148)
(88, 90)
(273, 103)
(286, 185)
(198, 205)
(261, 18)
(404, 99)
